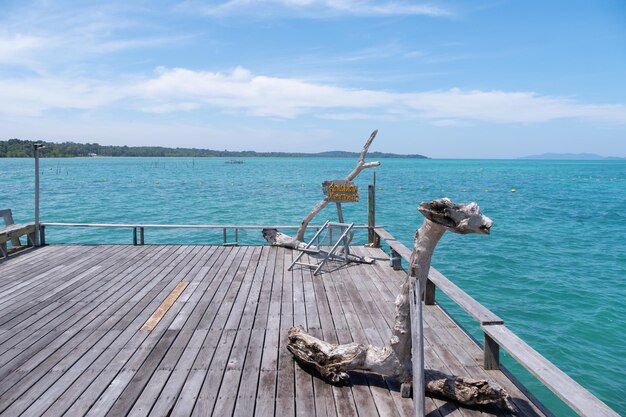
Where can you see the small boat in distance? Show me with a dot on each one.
(234, 161)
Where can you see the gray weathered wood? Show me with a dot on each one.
(372, 237)
(568, 390)
(491, 357)
(472, 307)
(7, 215)
(89, 356)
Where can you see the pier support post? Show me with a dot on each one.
(491, 356)
(134, 236)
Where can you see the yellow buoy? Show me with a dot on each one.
(513, 190)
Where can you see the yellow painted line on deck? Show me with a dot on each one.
(165, 306)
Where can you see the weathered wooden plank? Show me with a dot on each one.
(285, 387)
(106, 357)
(218, 289)
(191, 390)
(247, 267)
(83, 401)
(43, 312)
(141, 366)
(64, 257)
(58, 356)
(101, 363)
(299, 309)
(181, 350)
(19, 266)
(61, 332)
(378, 335)
(248, 292)
(119, 355)
(207, 394)
(343, 397)
(27, 297)
(263, 300)
(246, 396)
(172, 389)
(158, 314)
(20, 271)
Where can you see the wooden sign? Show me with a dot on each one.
(341, 191)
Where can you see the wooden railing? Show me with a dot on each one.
(497, 335)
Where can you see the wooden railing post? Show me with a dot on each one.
(372, 237)
(395, 260)
(134, 236)
(429, 293)
(141, 239)
(42, 235)
(491, 355)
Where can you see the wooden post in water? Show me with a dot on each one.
(371, 215)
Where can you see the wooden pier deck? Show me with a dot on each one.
(79, 335)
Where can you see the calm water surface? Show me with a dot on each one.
(554, 267)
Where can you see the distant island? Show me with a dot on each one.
(573, 157)
(17, 148)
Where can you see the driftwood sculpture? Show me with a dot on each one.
(333, 362)
(277, 238)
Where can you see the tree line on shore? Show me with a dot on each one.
(17, 148)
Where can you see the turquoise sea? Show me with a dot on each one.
(554, 267)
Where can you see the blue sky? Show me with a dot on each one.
(475, 79)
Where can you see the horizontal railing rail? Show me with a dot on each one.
(139, 228)
(497, 335)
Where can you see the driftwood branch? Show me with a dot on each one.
(333, 362)
(280, 239)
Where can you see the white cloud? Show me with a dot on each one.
(11, 45)
(316, 8)
(32, 96)
(46, 37)
(258, 95)
(241, 91)
(290, 97)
